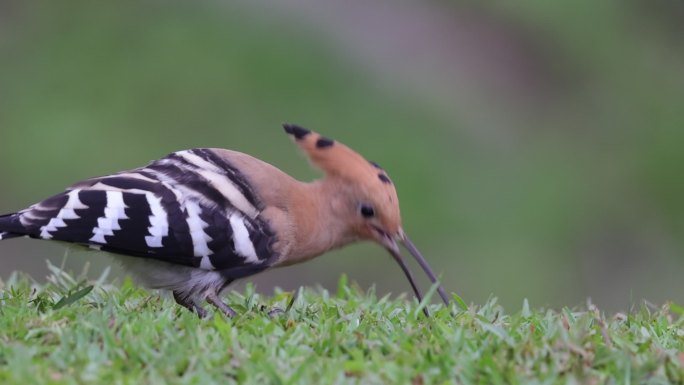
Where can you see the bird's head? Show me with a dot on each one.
(366, 196)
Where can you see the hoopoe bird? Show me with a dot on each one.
(199, 219)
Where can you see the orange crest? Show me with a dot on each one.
(340, 162)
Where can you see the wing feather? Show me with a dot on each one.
(191, 208)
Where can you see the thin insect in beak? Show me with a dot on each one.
(393, 248)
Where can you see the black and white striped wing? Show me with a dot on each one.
(191, 208)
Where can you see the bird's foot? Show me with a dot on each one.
(276, 311)
(213, 299)
(190, 304)
(201, 312)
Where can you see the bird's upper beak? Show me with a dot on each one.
(391, 245)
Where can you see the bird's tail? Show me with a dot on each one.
(7, 224)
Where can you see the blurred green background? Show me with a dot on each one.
(536, 146)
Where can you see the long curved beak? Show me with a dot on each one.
(391, 246)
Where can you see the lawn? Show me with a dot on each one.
(73, 331)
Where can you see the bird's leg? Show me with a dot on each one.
(189, 304)
(213, 299)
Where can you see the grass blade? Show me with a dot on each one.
(69, 299)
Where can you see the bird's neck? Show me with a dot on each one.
(318, 214)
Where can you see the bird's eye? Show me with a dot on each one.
(367, 211)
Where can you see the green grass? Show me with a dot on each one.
(72, 331)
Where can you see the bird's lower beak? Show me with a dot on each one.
(391, 246)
